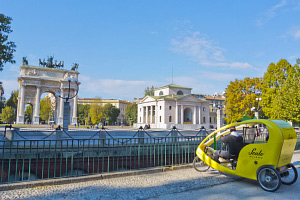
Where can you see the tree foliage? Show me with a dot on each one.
(149, 91)
(82, 112)
(7, 115)
(13, 102)
(273, 79)
(7, 48)
(111, 113)
(131, 113)
(96, 113)
(46, 109)
(241, 97)
(28, 113)
(286, 103)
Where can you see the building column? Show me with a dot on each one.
(147, 110)
(22, 105)
(219, 118)
(182, 115)
(194, 116)
(141, 111)
(151, 114)
(176, 113)
(36, 117)
(200, 116)
(74, 118)
(61, 107)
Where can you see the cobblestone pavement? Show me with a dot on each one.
(177, 184)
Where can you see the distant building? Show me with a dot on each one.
(173, 105)
(216, 102)
(121, 104)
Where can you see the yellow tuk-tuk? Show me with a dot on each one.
(266, 154)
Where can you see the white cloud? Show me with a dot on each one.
(296, 33)
(270, 13)
(205, 52)
(9, 85)
(112, 88)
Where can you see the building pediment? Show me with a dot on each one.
(147, 99)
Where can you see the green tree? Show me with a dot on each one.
(82, 113)
(96, 113)
(274, 77)
(28, 113)
(1, 106)
(13, 102)
(149, 91)
(111, 113)
(45, 109)
(7, 48)
(7, 115)
(287, 101)
(131, 113)
(241, 97)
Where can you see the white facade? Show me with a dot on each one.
(173, 105)
(34, 81)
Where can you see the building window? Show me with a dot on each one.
(159, 118)
(210, 120)
(140, 120)
(170, 107)
(204, 120)
(161, 93)
(170, 118)
(159, 107)
(179, 92)
(140, 109)
(203, 108)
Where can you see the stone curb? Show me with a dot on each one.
(69, 180)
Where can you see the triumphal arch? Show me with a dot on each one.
(35, 80)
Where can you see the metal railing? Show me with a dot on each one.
(27, 159)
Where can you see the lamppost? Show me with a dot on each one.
(66, 115)
(256, 109)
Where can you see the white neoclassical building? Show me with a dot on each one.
(173, 105)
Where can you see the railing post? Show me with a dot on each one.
(141, 135)
(174, 134)
(58, 135)
(102, 137)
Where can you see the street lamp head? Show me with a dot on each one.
(69, 79)
(67, 97)
(57, 95)
(75, 80)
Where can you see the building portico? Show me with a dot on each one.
(167, 109)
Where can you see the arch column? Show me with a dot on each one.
(61, 107)
(74, 118)
(20, 119)
(36, 117)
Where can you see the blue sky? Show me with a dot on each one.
(124, 46)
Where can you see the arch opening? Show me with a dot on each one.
(188, 115)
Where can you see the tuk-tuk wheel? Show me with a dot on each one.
(199, 165)
(289, 177)
(269, 179)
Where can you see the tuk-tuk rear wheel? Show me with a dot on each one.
(200, 165)
(269, 179)
(289, 177)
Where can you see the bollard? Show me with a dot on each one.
(141, 135)
(11, 135)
